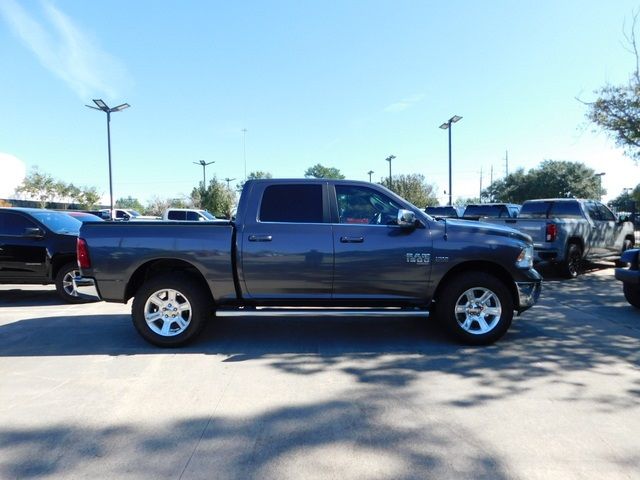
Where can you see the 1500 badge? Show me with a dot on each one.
(418, 257)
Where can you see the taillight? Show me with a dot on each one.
(82, 252)
(552, 232)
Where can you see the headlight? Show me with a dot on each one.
(525, 259)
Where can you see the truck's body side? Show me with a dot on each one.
(313, 243)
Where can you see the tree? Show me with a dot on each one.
(320, 171)
(39, 186)
(553, 179)
(627, 201)
(216, 198)
(253, 176)
(414, 188)
(617, 107)
(129, 203)
(88, 197)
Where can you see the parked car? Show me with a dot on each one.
(630, 277)
(84, 216)
(568, 231)
(126, 214)
(188, 215)
(445, 211)
(39, 247)
(490, 210)
(313, 243)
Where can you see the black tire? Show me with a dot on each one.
(466, 326)
(572, 266)
(187, 307)
(632, 294)
(628, 244)
(66, 287)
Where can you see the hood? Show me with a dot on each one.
(455, 227)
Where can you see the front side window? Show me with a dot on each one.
(292, 204)
(194, 217)
(605, 213)
(362, 205)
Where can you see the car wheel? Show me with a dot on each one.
(572, 265)
(66, 284)
(171, 310)
(632, 294)
(476, 308)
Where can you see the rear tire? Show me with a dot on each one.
(572, 266)
(171, 310)
(632, 294)
(476, 308)
(66, 287)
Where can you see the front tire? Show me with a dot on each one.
(632, 294)
(66, 287)
(476, 308)
(171, 310)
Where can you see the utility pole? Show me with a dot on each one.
(506, 163)
(244, 151)
(388, 159)
(369, 173)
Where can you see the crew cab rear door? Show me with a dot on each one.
(375, 259)
(286, 242)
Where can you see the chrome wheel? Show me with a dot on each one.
(478, 310)
(69, 283)
(167, 312)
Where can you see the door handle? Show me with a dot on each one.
(260, 238)
(351, 239)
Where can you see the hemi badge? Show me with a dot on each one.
(424, 258)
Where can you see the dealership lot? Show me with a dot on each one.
(82, 395)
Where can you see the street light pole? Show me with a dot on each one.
(369, 173)
(204, 166)
(599, 175)
(228, 180)
(447, 126)
(388, 159)
(244, 151)
(102, 106)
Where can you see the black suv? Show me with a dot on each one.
(39, 247)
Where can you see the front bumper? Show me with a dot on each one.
(528, 294)
(625, 275)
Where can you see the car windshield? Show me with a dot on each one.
(134, 213)
(208, 215)
(58, 222)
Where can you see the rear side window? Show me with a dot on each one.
(12, 224)
(292, 204)
(550, 210)
(177, 215)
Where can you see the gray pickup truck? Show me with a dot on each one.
(298, 247)
(567, 231)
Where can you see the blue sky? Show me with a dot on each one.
(343, 83)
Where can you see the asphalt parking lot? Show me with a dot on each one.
(82, 395)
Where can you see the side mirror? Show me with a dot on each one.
(406, 218)
(33, 232)
(623, 218)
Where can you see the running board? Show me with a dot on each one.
(330, 312)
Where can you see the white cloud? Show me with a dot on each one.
(68, 52)
(13, 172)
(404, 103)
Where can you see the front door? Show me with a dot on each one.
(375, 259)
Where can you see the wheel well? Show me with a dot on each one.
(576, 241)
(58, 262)
(483, 267)
(632, 238)
(158, 267)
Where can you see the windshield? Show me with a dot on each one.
(208, 215)
(58, 222)
(134, 213)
